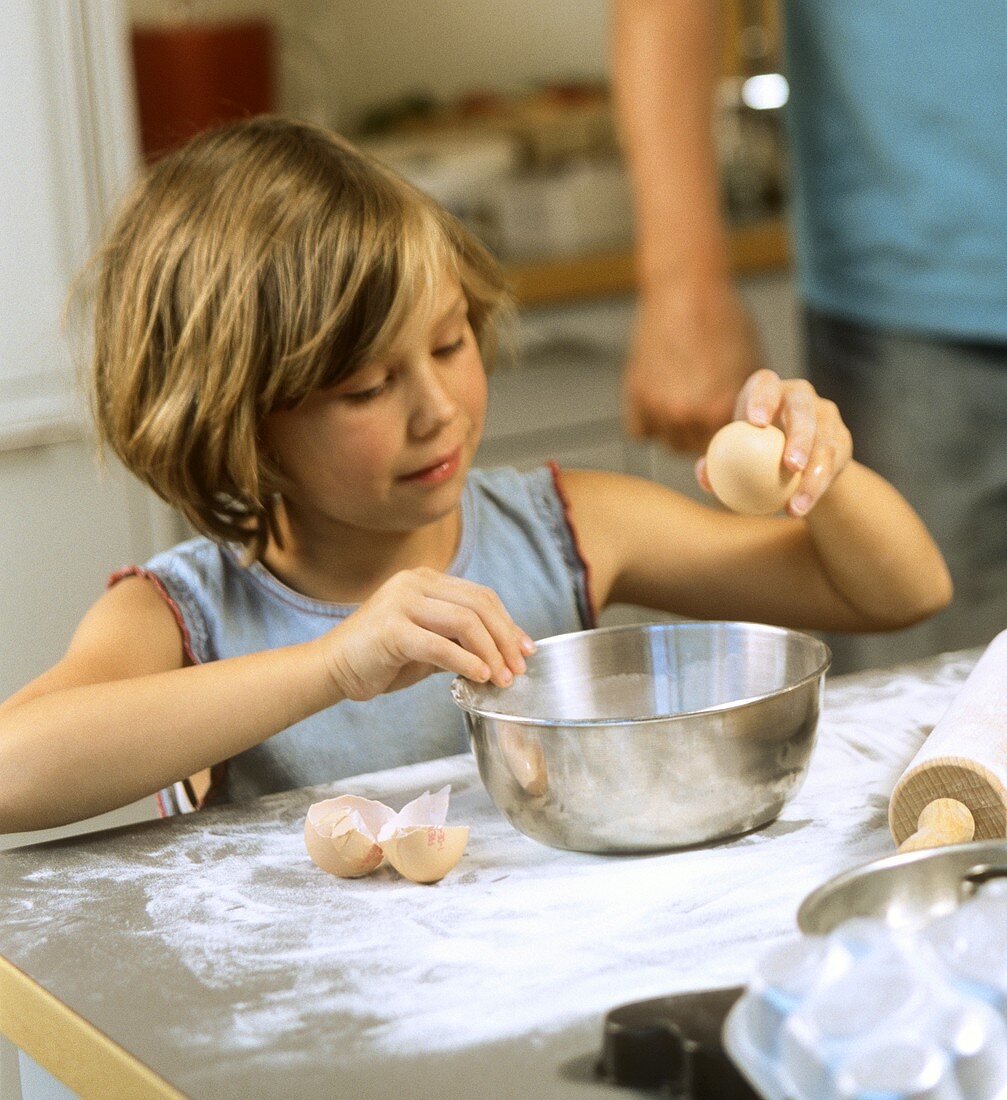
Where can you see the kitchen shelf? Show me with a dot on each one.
(757, 248)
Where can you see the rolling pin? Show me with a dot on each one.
(955, 788)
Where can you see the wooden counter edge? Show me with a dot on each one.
(757, 248)
(70, 1048)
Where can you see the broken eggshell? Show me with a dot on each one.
(418, 844)
(426, 853)
(349, 836)
(341, 834)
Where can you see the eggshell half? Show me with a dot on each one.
(341, 834)
(743, 463)
(426, 854)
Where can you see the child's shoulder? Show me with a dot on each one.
(552, 489)
(195, 572)
(200, 554)
(509, 493)
(507, 481)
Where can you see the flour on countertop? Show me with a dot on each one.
(518, 938)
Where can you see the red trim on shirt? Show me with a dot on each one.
(565, 501)
(155, 580)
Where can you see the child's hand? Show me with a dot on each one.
(418, 622)
(818, 443)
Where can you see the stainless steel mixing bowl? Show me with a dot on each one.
(643, 738)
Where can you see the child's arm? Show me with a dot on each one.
(120, 717)
(856, 558)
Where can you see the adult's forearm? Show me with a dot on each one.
(666, 62)
(74, 753)
(877, 552)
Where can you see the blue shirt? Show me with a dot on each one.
(515, 539)
(898, 131)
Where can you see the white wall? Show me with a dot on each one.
(67, 149)
(73, 523)
(448, 46)
(67, 525)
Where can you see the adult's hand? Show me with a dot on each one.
(693, 347)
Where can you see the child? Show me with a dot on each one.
(290, 345)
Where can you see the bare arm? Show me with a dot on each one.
(694, 344)
(861, 561)
(120, 717)
(851, 555)
(665, 62)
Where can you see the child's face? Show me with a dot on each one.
(388, 449)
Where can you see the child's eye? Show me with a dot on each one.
(361, 396)
(450, 349)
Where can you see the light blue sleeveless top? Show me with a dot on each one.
(515, 539)
(898, 121)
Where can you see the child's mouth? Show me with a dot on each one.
(442, 470)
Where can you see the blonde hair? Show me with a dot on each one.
(258, 263)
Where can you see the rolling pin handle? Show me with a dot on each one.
(943, 821)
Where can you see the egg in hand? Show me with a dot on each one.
(744, 464)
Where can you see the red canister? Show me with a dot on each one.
(192, 76)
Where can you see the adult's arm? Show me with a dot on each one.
(693, 344)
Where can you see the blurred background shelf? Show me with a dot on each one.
(760, 248)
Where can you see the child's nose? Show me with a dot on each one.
(433, 405)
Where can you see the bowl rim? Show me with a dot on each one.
(809, 912)
(694, 624)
